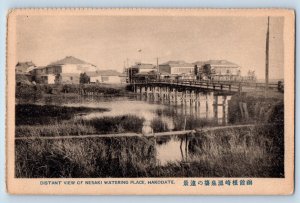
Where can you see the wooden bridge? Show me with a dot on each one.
(220, 87)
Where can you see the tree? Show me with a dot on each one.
(84, 78)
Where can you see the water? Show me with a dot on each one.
(180, 114)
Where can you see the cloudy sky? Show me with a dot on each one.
(108, 41)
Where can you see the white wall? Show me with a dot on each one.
(96, 79)
(113, 79)
(106, 79)
(78, 68)
(180, 69)
(51, 79)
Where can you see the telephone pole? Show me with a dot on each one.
(267, 58)
(157, 69)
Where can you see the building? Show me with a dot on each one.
(23, 74)
(48, 79)
(222, 70)
(177, 69)
(66, 70)
(105, 76)
(141, 71)
(70, 64)
(25, 67)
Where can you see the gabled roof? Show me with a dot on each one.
(104, 73)
(40, 67)
(68, 60)
(199, 63)
(25, 64)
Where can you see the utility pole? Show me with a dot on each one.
(267, 58)
(157, 69)
(129, 71)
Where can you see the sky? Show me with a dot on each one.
(108, 41)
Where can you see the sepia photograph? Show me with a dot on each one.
(151, 95)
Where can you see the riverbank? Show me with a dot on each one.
(39, 90)
(241, 152)
(52, 120)
(251, 108)
(255, 151)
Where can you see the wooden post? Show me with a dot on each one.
(224, 116)
(206, 105)
(215, 105)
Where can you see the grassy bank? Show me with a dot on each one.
(103, 125)
(32, 114)
(24, 91)
(251, 152)
(257, 152)
(260, 109)
(51, 120)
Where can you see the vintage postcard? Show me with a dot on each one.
(150, 101)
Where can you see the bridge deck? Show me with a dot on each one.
(226, 86)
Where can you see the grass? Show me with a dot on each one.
(103, 125)
(116, 124)
(244, 152)
(257, 152)
(108, 157)
(58, 129)
(251, 152)
(24, 90)
(49, 120)
(261, 110)
(32, 114)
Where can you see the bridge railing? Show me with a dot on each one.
(214, 84)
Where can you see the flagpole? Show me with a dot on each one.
(140, 51)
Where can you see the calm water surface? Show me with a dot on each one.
(177, 115)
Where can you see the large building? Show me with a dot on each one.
(70, 64)
(177, 69)
(66, 70)
(218, 69)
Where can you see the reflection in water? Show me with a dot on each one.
(184, 149)
(169, 152)
(186, 111)
(164, 113)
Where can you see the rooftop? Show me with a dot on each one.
(68, 60)
(25, 64)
